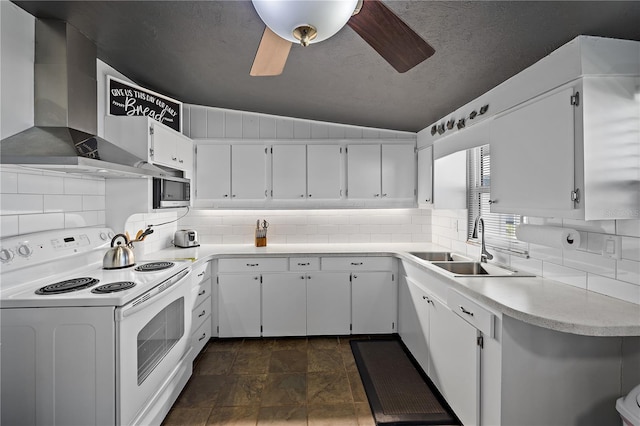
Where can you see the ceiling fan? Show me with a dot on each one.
(311, 21)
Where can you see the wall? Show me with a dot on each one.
(312, 226)
(584, 267)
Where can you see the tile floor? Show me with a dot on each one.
(282, 381)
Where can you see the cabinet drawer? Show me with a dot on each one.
(253, 264)
(304, 264)
(361, 263)
(471, 312)
(201, 336)
(200, 313)
(201, 273)
(201, 292)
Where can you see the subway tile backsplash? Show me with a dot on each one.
(33, 201)
(585, 267)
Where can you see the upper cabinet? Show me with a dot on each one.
(151, 141)
(381, 171)
(291, 174)
(425, 176)
(450, 181)
(572, 152)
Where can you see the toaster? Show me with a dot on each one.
(186, 238)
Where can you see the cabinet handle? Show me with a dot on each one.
(252, 264)
(493, 201)
(464, 311)
(202, 337)
(256, 278)
(174, 158)
(428, 200)
(200, 274)
(226, 195)
(181, 161)
(356, 263)
(233, 196)
(303, 264)
(355, 276)
(202, 314)
(384, 195)
(376, 195)
(427, 299)
(202, 292)
(301, 195)
(308, 277)
(309, 195)
(302, 277)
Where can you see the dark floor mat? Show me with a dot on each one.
(397, 392)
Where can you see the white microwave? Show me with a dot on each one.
(171, 192)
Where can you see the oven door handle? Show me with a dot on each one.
(150, 296)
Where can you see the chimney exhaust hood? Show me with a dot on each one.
(65, 117)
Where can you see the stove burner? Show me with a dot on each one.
(68, 286)
(154, 266)
(113, 287)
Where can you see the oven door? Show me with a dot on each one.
(153, 343)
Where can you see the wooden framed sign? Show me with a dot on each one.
(128, 99)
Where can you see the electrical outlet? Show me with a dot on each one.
(612, 246)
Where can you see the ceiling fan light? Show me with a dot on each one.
(283, 17)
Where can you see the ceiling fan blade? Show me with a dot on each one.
(271, 55)
(398, 44)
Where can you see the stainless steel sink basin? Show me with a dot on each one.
(477, 269)
(437, 256)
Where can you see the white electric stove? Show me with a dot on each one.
(84, 345)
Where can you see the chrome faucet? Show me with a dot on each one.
(484, 255)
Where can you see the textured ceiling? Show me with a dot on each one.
(200, 52)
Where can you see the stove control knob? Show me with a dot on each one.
(25, 250)
(6, 255)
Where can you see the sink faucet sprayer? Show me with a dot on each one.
(485, 255)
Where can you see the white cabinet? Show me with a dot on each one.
(373, 308)
(239, 305)
(248, 171)
(328, 303)
(413, 320)
(150, 140)
(363, 171)
(425, 175)
(398, 171)
(324, 172)
(289, 171)
(202, 306)
(454, 363)
(532, 156)
(376, 171)
(571, 152)
(284, 298)
(450, 181)
(213, 171)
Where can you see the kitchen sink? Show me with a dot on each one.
(477, 269)
(437, 256)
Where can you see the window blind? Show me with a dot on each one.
(500, 232)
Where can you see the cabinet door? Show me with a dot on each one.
(284, 304)
(184, 152)
(425, 175)
(289, 171)
(450, 181)
(248, 172)
(164, 146)
(239, 305)
(323, 172)
(413, 320)
(373, 296)
(532, 156)
(398, 171)
(213, 172)
(328, 303)
(454, 364)
(363, 171)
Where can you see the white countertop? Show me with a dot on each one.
(534, 300)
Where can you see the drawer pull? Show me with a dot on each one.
(201, 292)
(427, 299)
(203, 313)
(303, 264)
(201, 274)
(356, 263)
(202, 337)
(464, 311)
(252, 264)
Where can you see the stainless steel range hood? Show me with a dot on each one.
(65, 116)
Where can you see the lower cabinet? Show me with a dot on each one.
(284, 298)
(328, 303)
(413, 320)
(373, 307)
(239, 305)
(201, 309)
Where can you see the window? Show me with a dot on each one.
(500, 232)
